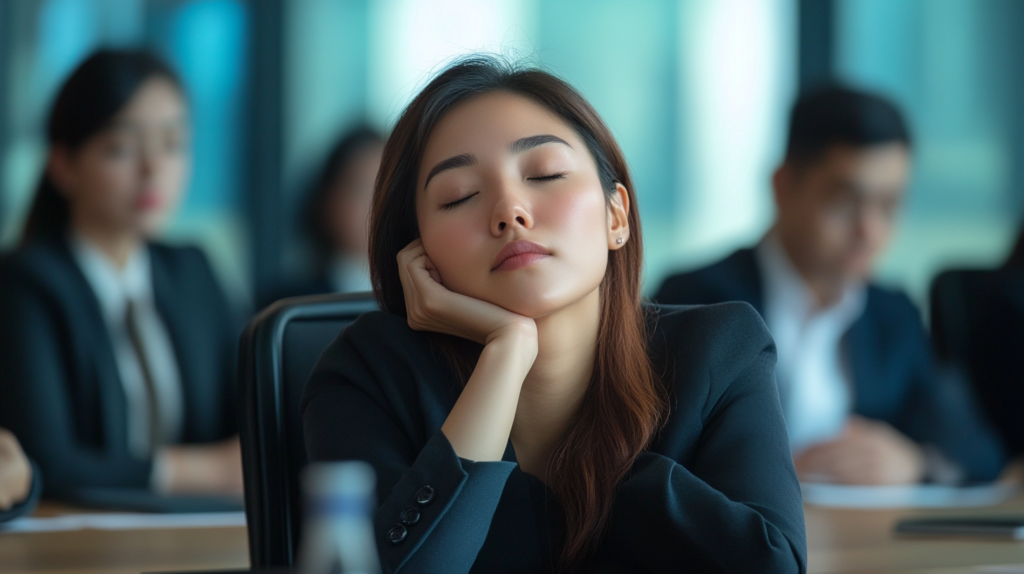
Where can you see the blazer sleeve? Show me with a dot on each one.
(35, 403)
(361, 403)
(939, 411)
(735, 505)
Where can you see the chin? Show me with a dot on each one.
(537, 303)
(149, 226)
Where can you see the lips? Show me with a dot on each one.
(149, 201)
(519, 254)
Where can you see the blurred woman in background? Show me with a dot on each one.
(117, 352)
(336, 216)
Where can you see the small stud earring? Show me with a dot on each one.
(619, 241)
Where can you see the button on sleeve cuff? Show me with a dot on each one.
(454, 500)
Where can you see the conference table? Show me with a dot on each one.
(839, 540)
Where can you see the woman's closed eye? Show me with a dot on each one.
(458, 202)
(552, 177)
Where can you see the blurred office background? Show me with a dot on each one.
(697, 92)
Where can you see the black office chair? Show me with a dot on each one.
(955, 298)
(278, 351)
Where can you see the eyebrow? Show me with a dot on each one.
(517, 147)
(528, 143)
(461, 160)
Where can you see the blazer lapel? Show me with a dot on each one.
(97, 384)
(858, 350)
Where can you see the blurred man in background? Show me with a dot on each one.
(862, 402)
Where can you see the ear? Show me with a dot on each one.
(59, 165)
(618, 217)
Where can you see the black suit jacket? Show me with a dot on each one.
(888, 351)
(60, 390)
(715, 491)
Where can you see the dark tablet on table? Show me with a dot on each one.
(141, 500)
(1002, 527)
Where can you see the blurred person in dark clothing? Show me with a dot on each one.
(335, 218)
(862, 401)
(20, 485)
(117, 352)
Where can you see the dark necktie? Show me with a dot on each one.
(155, 426)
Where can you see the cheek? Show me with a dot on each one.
(830, 227)
(879, 233)
(108, 184)
(456, 246)
(173, 173)
(576, 226)
(579, 221)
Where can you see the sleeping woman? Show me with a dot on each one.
(524, 410)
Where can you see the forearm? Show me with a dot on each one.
(702, 525)
(198, 468)
(479, 424)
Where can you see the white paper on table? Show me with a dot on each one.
(915, 496)
(1006, 569)
(124, 522)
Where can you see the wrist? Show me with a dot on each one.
(520, 331)
(516, 340)
(161, 477)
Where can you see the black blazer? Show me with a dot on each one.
(715, 492)
(888, 351)
(60, 390)
(25, 507)
(996, 356)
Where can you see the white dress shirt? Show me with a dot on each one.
(113, 288)
(815, 383)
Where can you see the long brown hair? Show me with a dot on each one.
(625, 403)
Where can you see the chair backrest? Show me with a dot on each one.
(278, 351)
(955, 298)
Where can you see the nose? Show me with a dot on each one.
(510, 212)
(148, 159)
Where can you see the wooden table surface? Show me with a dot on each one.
(121, 551)
(847, 541)
(862, 541)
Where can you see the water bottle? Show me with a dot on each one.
(338, 533)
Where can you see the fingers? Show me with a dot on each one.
(421, 285)
(7, 441)
(415, 265)
(431, 306)
(15, 472)
(864, 457)
(435, 274)
(10, 449)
